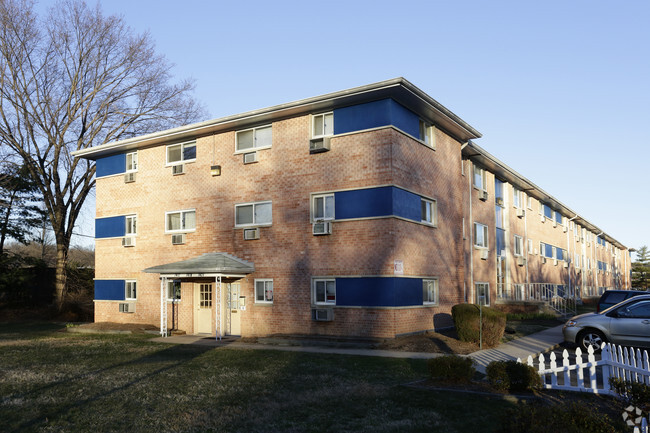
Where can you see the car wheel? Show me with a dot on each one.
(592, 338)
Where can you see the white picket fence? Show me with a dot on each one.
(643, 428)
(616, 361)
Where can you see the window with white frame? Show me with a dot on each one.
(181, 152)
(482, 293)
(517, 198)
(428, 211)
(577, 260)
(530, 203)
(480, 178)
(519, 246)
(174, 290)
(180, 221)
(254, 138)
(132, 161)
(322, 207)
(253, 214)
(430, 291)
(131, 225)
(130, 290)
(530, 247)
(324, 291)
(480, 235)
(322, 125)
(428, 134)
(263, 291)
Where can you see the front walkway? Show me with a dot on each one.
(532, 344)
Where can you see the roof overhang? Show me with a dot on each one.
(206, 265)
(479, 155)
(398, 89)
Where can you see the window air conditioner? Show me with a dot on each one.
(129, 177)
(554, 262)
(542, 218)
(250, 234)
(178, 169)
(322, 228)
(128, 241)
(318, 145)
(566, 264)
(521, 213)
(554, 223)
(543, 259)
(521, 261)
(499, 201)
(578, 270)
(250, 158)
(483, 195)
(484, 254)
(178, 239)
(127, 307)
(322, 314)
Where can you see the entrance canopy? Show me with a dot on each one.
(206, 265)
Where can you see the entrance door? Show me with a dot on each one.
(203, 308)
(232, 310)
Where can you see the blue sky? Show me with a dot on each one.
(559, 89)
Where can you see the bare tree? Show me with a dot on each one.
(73, 80)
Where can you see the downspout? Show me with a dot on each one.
(471, 236)
(596, 258)
(569, 248)
(527, 289)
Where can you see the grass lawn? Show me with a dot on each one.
(54, 381)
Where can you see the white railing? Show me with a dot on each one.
(644, 426)
(616, 361)
(560, 297)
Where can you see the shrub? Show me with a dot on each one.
(451, 368)
(512, 376)
(536, 417)
(466, 320)
(636, 394)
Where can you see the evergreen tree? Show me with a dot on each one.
(641, 269)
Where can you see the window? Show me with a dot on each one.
(180, 221)
(430, 291)
(130, 290)
(264, 291)
(182, 152)
(324, 291)
(547, 211)
(322, 125)
(322, 207)
(480, 235)
(516, 198)
(558, 218)
(428, 211)
(480, 180)
(428, 134)
(132, 161)
(482, 293)
(130, 229)
(638, 310)
(519, 246)
(253, 214)
(174, 290)
(530, 203)
(530, 246)
(552, 252)
(254, 138)
(577, 260)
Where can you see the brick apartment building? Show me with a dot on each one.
(366, 212)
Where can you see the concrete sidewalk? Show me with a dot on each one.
(523, 347)
(520, 348)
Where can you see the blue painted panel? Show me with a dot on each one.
(114, 164)
(378, 292)
(363, 203)
(111, 227)
(109, 290)
(407, 205)
(375, 114)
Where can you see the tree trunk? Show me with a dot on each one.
(61, 285)
(5, 223)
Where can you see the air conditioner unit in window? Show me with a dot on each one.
(521, 261)
(499, 201)
(577, 238)
(554, 262)
(250, 158)
(178, 169)
(578, 270)
(566, 264)
(127, 307)
(554, 223)
(322, 314)
(129, 177)
(484, 254)
(128, 241)
(521, 213)
(251, 234)
(543, 259)
(318, 145)
(483, 195)
(322, 228)
(542, 218)
(178, 239)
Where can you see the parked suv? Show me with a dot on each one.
(613, 297)
(627, 324)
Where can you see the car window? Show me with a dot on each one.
(638, 310)
(614, 298)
